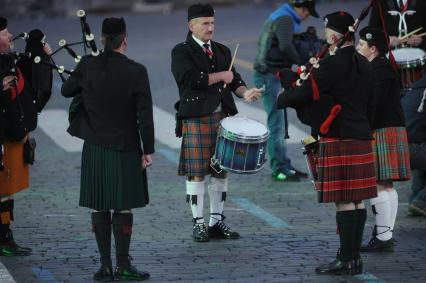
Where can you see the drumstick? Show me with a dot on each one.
(406, 39)
(232, 61)
(410, 33)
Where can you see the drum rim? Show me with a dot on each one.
(240, 138)
(243, 171)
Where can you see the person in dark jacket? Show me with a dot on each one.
(390, 138)
(200, 67)
(413, 104)
(18, 117)
(114, 118)
(345, 165)
(277, 50)
(400, 18)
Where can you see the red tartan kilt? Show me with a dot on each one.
(198, 144)
(346, 170)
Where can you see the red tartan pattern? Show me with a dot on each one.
(198, 144)
(346, 170)
(391, 153)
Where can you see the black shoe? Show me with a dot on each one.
(337, 267)
(12, 249)
(199, 233)
(376, 245)
(299, 174)
(130, 273)
(8, 247)
(221, 231)
(104, 274)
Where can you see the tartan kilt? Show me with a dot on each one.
(346, 170)
(391, 154)
(198, 144)
(112, 179)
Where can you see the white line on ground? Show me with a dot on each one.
(5, 276)
(54, 123)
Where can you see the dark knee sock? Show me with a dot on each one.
(122, 226)
(346, 222)
(101, 223)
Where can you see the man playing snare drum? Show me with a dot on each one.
(200, 67)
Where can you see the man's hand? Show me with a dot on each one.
(415, 40)
(252, 94)
(394, 41)
(8, 82)
(227, 76)
(146, 160)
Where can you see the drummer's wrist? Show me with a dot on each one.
(240, 91)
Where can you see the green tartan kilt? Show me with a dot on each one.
(112, 179)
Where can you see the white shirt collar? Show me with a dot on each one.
(200, 42)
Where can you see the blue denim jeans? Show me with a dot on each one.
(418, 165)
(277, 149)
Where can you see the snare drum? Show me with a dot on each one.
(240, 146)
(311, 155)
(411, 65)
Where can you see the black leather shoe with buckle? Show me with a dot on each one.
(376, 245)
(199, 231)
(337, 267)
(104, 274)
(221, 231)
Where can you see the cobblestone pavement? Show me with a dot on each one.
(285, 232)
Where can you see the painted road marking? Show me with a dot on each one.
(259, 212)
(44, 275)
(54, 123)
(5, 276)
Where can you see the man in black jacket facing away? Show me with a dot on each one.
(113, 116)
(200, 67)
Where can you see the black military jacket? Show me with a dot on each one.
(18, 115)
(346, 79)
(387, 97)
(114, 103)
(190, 68)
(414, 21)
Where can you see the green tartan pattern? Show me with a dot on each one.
(391, 153)
(112, 179)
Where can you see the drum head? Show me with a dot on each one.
(244, 127)
(408, 55)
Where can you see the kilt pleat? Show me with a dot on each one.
(112, 179)
(198, 144)
(15, 176)
(391, 154)
(346, 170)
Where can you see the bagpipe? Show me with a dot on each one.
(41, 58)
(300, 74)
